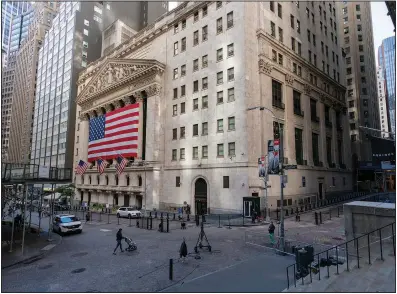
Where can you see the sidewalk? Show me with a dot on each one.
(35, 246)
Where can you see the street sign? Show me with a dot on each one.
(290, 166)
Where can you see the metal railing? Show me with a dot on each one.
(354, 251)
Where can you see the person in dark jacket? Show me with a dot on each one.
(271, 232)
(119, 237)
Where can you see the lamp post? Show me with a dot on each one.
(281, 175)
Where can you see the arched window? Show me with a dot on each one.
(116, 180)
(139, 181)
(106, 180)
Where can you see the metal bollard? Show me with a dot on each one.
(292, 211)
(118, 220)
(147, 223)
(197, 220)
(203, 218)
(161, 215)
(150, 214)
(330, 212)
(137, 223)
(130, 223)
(219, 220)
(316, 218)
(173, 218)
(338, 211)
(155, 214)
(108, 218)
(151, 222)
(188, 217)
(171, 269)
(286, 212)
(168, 225)
(301, 208)
(321, 218)
(162, 225)
(228, 217)
(100, 216)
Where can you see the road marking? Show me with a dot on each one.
(105, 230)
(49, 247)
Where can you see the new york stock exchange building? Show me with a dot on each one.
(190, 78)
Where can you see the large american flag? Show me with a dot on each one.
(81, 167)
(121, 163)
(114, 134)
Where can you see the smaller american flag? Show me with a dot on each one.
(121, 163)
(101, 165)
(81, 167)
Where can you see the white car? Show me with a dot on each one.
(129, 212)
(66, 223)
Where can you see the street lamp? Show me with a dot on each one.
(281, 175)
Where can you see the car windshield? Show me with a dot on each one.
(131, 209)
(69, 219)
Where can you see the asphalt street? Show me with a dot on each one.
(84, 263)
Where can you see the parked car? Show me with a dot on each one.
(66, 223)
(129, 212)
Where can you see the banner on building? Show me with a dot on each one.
(262, 166)
(273, 149)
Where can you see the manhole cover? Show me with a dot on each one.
(45, 266)
(80, 254)
(79, 270)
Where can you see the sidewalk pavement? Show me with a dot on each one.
(35, 246)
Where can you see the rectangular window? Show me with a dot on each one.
(204, 61)
(219, 28)
(272, 6)
(204, 82)
(293, 44)
(175, 93)
(195, 86)
(182, 154)
(219, 125)
(230, 74)
(204, 33)
(299, 146)
(183, 70)
(183, 24)
(280, 35)
(196, 16)
(273, 29)
(195, 65)
(204, 152)
(279, 10)
(204, 102)
(219, 54)
(230, 20)
(313, 110)
(315, 154)
(225, 180)
(175, 74)
(205, 11)
(174, 154)
(232, 149)
(308, 35)
(299, 48)
(231, 123)
(176, 48)
(195, 152)
(183, 90)
(183, 107)
(174, 134)
(219, 151)
(86, 23)
(277, 94)
(204, 128)
(176, 27)
(195, 130)
(230, 94)
(195, 104)
(230, 50)
(195, 38)
(297, 102)
(182, 133)
(219, 78)
(183, 45)
(329, 151)
(298, 26)
(174, 110)
(85, 32)
(292, 21)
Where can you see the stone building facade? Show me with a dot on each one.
(194, 73)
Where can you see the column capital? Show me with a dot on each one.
(264, 67)
(289, 80)
(153, 90)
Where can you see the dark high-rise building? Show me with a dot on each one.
(387, 60)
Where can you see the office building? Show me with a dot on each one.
(135, 15)
(387, 61)
(10, 9)
(193, 74)
(383, 113)
(73, 41)
(25, 47)
(356, 37)
(391, 8)
(19, 31)
(116, 34)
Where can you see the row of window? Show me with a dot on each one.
(219, 78)
(231, 126)
(204, 151)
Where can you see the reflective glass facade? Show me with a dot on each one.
(19, 29)
(387, 60)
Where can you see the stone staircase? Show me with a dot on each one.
(379, 276)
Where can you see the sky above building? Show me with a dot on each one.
(381, 23)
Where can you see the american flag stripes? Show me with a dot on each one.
(101, 165)
(121, 163)
(114, 134)
(81, 167)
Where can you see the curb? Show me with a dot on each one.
(35, 256)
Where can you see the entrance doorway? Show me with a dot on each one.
(200, 196)
(320, 190)
(250, 204)
(126, 200)
(138, 201)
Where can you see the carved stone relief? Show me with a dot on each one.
(289, 79)
(264, 67)
(307, 89)
(153, 90)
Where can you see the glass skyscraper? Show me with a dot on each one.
(387, 60)
(19, 29)
(10, 9)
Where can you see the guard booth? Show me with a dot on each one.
(250, 203)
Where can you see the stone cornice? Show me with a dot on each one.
(144, 36)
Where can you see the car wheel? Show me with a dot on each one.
(118, 215)
(79, 231)
(129, 216)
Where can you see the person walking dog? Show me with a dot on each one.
(119, 237)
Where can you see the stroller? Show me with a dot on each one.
(131, 245)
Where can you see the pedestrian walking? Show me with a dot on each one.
(298, 217)
(271, 232)
(119, 237)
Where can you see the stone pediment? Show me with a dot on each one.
(116, 72)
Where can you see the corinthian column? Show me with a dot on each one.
(83, 136)
(139, 99)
